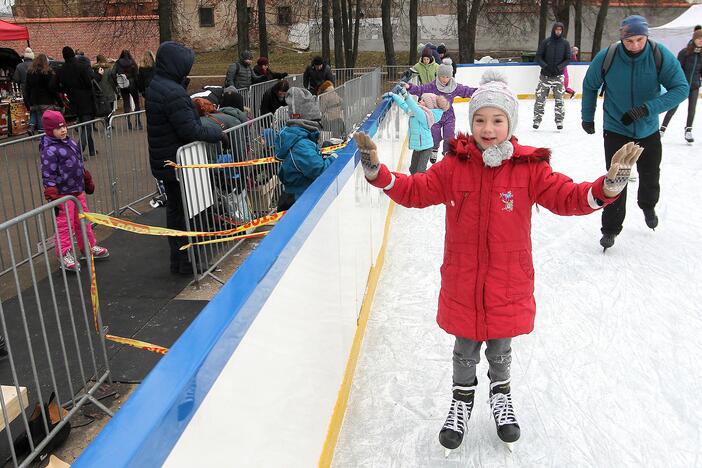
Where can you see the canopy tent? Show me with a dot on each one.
(13, 32)
(676, 34)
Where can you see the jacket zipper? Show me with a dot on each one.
(460, 207)
(632, 93)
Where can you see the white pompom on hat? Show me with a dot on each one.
(494, 92)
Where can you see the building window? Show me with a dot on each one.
(284, 16)
(206, 17)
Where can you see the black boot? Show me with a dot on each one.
(451, 435)
(607, 240)
(651, 218)
(503, 412)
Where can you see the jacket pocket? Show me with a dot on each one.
(521, 275)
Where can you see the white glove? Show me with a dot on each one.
(369, 155)
(620, 169)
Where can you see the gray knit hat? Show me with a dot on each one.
(302, 105)
(445, 69)
(493, 92)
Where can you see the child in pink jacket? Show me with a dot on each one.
(488, 183)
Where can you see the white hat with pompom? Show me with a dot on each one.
(493, 92)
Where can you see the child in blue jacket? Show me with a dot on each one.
(298, 145)
(423, 115)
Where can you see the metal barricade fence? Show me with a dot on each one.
(331, 105)
(361, 96)
(295, 81)
(217, 199)
(257, 91)
(56, 348)
(131, 180)
(342, 75)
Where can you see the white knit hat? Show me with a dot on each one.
(28, 53)
(445, 69)
(493, 92)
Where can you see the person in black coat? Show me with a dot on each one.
(691, 60)
(74, 79)
(127, 66)
(171, 122)
(316, 74)
(263, 69)
(552, 56)
(274, 98)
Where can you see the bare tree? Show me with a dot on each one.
(164, 20)
(386, 14)
(326, 51)
(262, 32)
(599, 28)
(561, 10)
(356, 30)
(578, 23)
(413, 13)
(338, 39)
(543, 19)
(467, 28)
(242, 22)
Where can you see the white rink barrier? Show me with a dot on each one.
(261, 377)
(522, 78)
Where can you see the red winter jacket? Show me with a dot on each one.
(487, 278)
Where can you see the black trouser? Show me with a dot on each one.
(691, 106)
(175, 219)
(86, 133)
(126, 92)
(648, 167)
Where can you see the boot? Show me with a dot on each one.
(503, 412)
(451, 435)
(651, 218)
(607, 240)
(688, 135)
(662, 130)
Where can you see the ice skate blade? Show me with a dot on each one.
(447, 452)
(510, 446)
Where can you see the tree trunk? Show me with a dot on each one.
(242, 24)
(413, 13)
(543, 20)
(262, 33)
(578, 24)
(165, 16)
(385, 8)
(338, 38)
(347, 20)
(326, 51)
(599, 28)
(463, 36)
(356, 29)
(561, 10)
(472, 29)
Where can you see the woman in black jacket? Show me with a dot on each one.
(274, 98)
(39, 95)
(127, 66)
(263, 69)
(691, 60)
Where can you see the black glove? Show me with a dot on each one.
(634, 114)
(224, 139)
(589, 127)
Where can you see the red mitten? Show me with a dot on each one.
(51, 193)
(89, 184)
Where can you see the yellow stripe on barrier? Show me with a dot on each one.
(137, 228)
(252, 162)
(226, 239)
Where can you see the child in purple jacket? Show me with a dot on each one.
(63, 173)
(445, 85)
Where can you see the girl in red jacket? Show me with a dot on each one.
(489, 183)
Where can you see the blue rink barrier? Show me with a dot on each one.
(145, 430)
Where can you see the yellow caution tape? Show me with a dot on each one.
(138, 344)
(226, 239)
(137, 228)
(252, 162)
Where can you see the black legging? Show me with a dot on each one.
(691, 105)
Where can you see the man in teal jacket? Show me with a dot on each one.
(632, 102)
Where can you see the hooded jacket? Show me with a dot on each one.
(420, 137)
(172, 120)
(487, 276)
(74, 78)
(631, 82)
(691, 63)
(270, 102)
(300, 156)
(241, 75)
(312, 78)
(553, 54)
(129, 68)
(61, 165)
(426, 72)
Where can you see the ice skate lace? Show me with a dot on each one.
(458, 415)
(501, 404)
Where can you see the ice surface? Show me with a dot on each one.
(611, 374)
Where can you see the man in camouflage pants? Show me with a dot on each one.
(553, 56)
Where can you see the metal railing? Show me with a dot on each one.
(216, 199)
(256, 92)
(56, 347)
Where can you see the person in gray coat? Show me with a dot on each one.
(240, 74)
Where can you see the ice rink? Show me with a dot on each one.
(611, 374)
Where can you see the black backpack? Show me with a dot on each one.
(612, 49)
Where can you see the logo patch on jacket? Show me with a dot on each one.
(508, 201)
